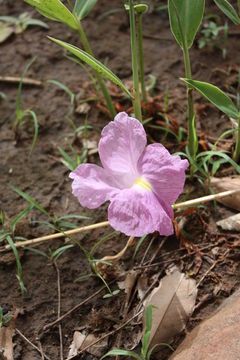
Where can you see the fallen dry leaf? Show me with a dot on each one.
(6, 343)
(174, 300)
(80, 341)
(83, 108)
(224, 184)
(230, 223)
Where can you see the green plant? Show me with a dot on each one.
(185, 20)
(73, 97)
(94, 264)
(72, 17)
(72, 162)
(16, 25)
(8, 234)
(211, 36)
(146, 353)
(60, 224)
(23, 115)
(4, 317)
(218, 98)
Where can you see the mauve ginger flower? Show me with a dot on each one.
(141, 182)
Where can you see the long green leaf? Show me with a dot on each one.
(35, 125)
(185, 18)
(83, 7)
(31, 201)
(222, 155)
(20, 216)
(121, 352)
(147, 332)
(55, 10)
(19, 266)
(228, 10)
(216, 96)
(93, 63)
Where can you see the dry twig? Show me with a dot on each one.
(17, 79)
(30, 343)
(107, 335)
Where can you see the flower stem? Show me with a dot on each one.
(136, 93)
(237, 149)
(141, 58)
(101, 83)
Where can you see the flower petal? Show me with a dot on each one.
(137, 212)
(92, 185)
(166, 173)
(122, 143)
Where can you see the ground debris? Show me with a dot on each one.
(174, 299)
(225, 184)
(80, 341)
(230, 223)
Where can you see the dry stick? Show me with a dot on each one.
(17, 79)
(106, 335)
(30, 343)
(205, 199)
(55, 236)
(59, 308)
(211, 268)
(35, 241)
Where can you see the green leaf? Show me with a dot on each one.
(61, 250)
(228, 10)
(93, 63)
(216, 96)
(185, 18)
(20, 216)
(31, 201)
(147, 332)
(18, 262)
(138, 245)
(35, 125)
(64, 88)
(121, 352)
(83, 7)
(222, 155)
(55, 10)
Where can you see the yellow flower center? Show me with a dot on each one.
(143, 184)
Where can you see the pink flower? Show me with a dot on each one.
(141, 182)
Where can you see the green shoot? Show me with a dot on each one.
(18, 262)
(21, 115)
(21, 23)
(4, 317)
(146, 353)
(134, 54)
(69, 92)
(72, 162)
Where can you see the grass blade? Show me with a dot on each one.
(31, 201)
(93, 63)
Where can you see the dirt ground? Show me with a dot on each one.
(45, 178)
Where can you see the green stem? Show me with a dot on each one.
(141, 58)
(237, 149)
(101, 83)
(191, 124)
(136, 93)
(239, 6)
